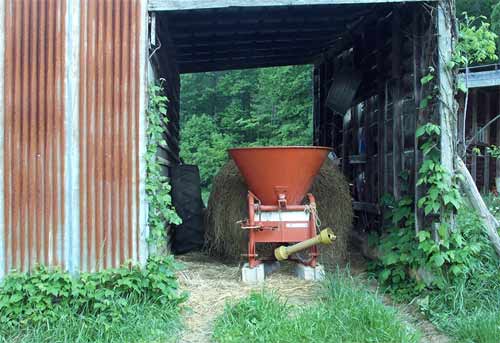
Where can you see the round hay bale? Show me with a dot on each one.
(227, 205)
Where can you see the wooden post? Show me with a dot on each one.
(317, 104)
(382, 186)
(497, 124)
(475, 100)
(486, 176)
(396, 103)
(418, 69)
(446, 77)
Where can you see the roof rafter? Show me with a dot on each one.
(179, 5)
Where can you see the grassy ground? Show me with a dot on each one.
(468, 309)
(144, 322)
(344, 312)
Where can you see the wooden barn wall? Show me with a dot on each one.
(483, 106)
(375, 139)
(163, 60)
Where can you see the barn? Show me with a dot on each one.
(73, 95)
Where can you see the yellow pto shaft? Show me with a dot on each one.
(326, 236)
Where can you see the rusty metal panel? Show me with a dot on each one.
(33, 133)
(110, 131)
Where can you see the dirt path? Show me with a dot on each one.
(211, 283)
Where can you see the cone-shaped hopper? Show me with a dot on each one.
(269, 171)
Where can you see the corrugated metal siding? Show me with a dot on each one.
(33, 146)
(110, 86)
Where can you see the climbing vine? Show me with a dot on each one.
(411, 261)
(161, 210)
(447, 243)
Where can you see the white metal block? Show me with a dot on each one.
(309, 273)
(252, 275)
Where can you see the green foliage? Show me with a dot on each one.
(493, 203)
(493, 151)
(475, 8)
(443, 192)
(468, 308)
(411, 262)
(161, 210)
(45, 296)
(476, 43)
(347, 312)
(203, 145)
(271, 106)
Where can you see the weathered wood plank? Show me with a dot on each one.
(481, 79)
(476, 200)
(447, 104)
(175, 5)
(486, 175)
(497, 124)
(474, 96)
(397, 149)
(200, 67)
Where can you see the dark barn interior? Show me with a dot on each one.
(368, 58)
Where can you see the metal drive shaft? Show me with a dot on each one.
(326, 236)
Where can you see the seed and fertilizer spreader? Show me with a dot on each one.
(278, 179)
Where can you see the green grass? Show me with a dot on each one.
(468, 308)
(142, 322)
(345, 312)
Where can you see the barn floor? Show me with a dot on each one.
(211, 283)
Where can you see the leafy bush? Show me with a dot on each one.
(347, 312)
(46, 296)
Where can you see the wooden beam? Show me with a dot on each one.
(176, 5)
(204, 41)
(486, 176)
(270, 18)
(183, 47)
(481, 79)
(256, 34)
(330, 26)
(245, 64)
(228, 59)
(250, 53)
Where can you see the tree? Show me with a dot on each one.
(476, 8)
(270, 106)
(203, 145)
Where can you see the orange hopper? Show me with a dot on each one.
(273, 171)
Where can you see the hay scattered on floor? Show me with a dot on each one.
(211, 284)
(227, 205)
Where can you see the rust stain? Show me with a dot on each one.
(33, 132)
(109, 132)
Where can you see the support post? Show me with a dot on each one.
(447, 104)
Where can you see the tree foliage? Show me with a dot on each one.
(256, 107)
(476, 8)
